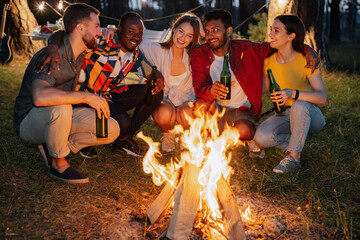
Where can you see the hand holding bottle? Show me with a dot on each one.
(282, 96)
(101, 123)
(276, 94)
(219, 90)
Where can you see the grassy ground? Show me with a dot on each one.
(324, 194)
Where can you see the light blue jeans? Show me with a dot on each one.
(289, 131)
(64, 128)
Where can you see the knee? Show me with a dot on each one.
(164, 115)
(300, 107)
(61, 113)
(185, 110)
(246, 129)
(113, 129)
(261, 137)
(200, 107)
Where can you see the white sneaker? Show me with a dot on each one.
(168, 142)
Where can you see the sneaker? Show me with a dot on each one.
(128, 146)
(168, 142)
(45, 154)
(254, 150)
(88, 152)
(70, 175)
(288, 164)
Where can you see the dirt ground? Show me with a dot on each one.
(113, 220)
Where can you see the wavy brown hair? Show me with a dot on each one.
(190, 18)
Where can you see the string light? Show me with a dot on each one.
(60, 5)
(42, 5)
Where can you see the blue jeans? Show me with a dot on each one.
(289, 131)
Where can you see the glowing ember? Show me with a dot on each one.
(246, 215)
(207, 149)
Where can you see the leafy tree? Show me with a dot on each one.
(257, 32)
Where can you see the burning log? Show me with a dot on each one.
(187, 199)
(201, 193)
(231, 210)
(161, 203)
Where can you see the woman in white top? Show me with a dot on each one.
(172, 60)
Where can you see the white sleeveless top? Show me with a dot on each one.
(178, 89)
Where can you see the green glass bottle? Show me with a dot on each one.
(150, 85)
(101, 123)
(274, 87)
(225, 77)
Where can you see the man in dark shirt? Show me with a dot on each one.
(44, 113)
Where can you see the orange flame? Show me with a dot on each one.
(246, 215)
(206, 148)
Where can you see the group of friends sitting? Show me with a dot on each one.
(58, 100)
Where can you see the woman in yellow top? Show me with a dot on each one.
(301, 90)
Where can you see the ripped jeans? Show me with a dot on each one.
(289, 131)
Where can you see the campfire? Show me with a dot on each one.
(196, 185)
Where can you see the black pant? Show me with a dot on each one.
(125, 101)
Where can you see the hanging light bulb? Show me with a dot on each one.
(60, 5)
(42, 5)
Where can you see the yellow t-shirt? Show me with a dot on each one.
(291, 75)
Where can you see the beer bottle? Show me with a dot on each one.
(274, 87)
(101, 123)
(150, 85)
(225, 77)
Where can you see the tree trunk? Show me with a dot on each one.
(311, 13)
(20, 20)
(335, 21)
(351, 18)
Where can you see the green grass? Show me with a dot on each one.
(324, 193)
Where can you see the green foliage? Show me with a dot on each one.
(257, 32)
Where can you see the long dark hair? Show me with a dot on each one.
(190, 18)
(293, 24)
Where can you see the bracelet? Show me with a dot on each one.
(296, 95)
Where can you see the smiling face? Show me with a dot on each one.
(216, 35)
(183, 35)
(279, 38)
(92, 31)
(130, 34)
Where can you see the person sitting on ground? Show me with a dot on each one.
(246, 67)
(172, 59)
(106, 68)
(43, 112)
(301, 90)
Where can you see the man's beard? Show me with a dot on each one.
(221, 44)
(90, 41)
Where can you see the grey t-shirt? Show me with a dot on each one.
(65, 79)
